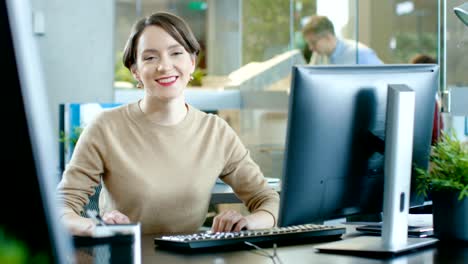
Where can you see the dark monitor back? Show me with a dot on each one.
(29, 164)
(334, 160)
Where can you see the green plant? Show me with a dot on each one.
(14, 251)
(121, 73)
(71, 138)
(198, 75)
(448, 169)
(11, 250)
(409, 44)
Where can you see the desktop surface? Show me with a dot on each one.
(304, 253)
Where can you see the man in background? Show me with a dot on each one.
(319, 34)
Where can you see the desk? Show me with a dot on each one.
(440, 253)
(223, 193)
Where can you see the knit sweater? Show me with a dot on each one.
(161, 176)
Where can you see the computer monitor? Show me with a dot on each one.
(30, 165)
(334, 157)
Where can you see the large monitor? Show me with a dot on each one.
(334, 159)
(30, 170)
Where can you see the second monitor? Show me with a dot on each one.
(334, 159)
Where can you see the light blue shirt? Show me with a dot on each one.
(348, 52)
(345, 53)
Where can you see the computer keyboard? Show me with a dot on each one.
(279, 235)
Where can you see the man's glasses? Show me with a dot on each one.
(274, 257)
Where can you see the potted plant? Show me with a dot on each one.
(15, 251)
(69, 140)
(447, 182)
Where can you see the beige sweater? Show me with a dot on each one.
(161, 176)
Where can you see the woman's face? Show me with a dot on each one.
(163, 65)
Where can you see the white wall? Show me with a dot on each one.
(76, 50)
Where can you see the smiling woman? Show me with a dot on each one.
(155, 44)
(159, 158)
(162, 63)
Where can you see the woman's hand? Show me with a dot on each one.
(77, 225)
(232, 220)
(228, 221)
(115, 217)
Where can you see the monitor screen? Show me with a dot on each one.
(29, 209)
(334, 159)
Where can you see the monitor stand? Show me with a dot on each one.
(398, 157)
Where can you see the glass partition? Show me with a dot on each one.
(396, 30)
(266, 27)
(250, 46)
(456, 65)
(456, 47)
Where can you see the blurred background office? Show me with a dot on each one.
(249, 47)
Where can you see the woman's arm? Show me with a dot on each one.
(81, 176)
(77, 225)
(249, 184)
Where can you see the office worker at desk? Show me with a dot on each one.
(319, 33)
(159, 158)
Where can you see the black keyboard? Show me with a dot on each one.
(279, 235)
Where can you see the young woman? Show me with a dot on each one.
(158, 159)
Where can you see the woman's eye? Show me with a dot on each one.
(177, 53)
(150, 58)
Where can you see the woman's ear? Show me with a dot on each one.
(135, 72)
(193, 58)
(136, 75)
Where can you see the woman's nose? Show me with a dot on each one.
(164, 64)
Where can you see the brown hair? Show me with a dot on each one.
(318, 25)
(422, 58)
(172, 24)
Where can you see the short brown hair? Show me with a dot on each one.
(172, 24)
(422, 58)
(318, 25)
